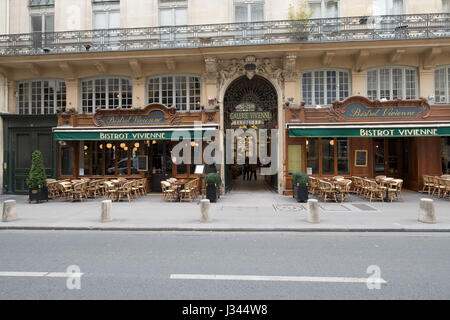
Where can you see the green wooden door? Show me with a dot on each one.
(22, 142)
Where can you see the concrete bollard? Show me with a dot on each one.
(205, 210)
(9, 211)
(426, 211)
(312, 211)
(106, 211)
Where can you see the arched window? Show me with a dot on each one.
(43, 96)
(180, 90)
(392, 83)
(442, 84)
(106, 93)
(322, 87)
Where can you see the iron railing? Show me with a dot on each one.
(392, 27)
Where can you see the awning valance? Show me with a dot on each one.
(371, 131)
(127, 134)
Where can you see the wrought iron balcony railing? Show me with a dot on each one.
(393, 27)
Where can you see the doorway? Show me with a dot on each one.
(391, 157)
(249, 105)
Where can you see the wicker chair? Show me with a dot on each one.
(428, 183)
(79, 191)
(187, 192)
(168, 193)
(375, 191)
(125, 190)
(111, 191)
(343, 189)
(327, 190)
(395, 189)
(438, 185)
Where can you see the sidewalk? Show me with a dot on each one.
(236, 211)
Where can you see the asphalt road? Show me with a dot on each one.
(155, 265)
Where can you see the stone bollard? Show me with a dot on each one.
(9, 211)
(312, 211)
(205, 209)
(426, 211)
(106, 211)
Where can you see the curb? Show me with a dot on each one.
(227, 229)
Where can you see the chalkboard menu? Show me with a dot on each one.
(142, 163)
(360, 158)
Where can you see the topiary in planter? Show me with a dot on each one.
(300, 182)
(212, 182)
(37, 179)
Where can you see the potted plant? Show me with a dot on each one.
(212, 183)
(300, 20)
(37, 179)
(300, 182)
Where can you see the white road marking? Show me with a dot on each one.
(40, 274)
(275, 278)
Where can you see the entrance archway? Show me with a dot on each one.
(249, 104)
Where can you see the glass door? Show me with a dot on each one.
(379, 161)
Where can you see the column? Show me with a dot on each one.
(73, 95)
(139, 92)
(359, 83)
(426, 83)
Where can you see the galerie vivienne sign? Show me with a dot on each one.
(239, 118)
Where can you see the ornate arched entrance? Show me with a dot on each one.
(249, 103)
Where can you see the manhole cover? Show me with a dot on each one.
(289, 207)
(364, 207)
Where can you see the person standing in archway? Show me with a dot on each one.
(253, 168)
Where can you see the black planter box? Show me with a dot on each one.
(301, 193)
(37, 194)
(212, 193)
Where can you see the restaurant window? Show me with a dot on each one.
(312, 155)
(41, 96)
(122, 157)
(327, 156)
(248, 10)
(392, 83)
(182, 91)
(342, 156)
(106, 93)
(110, 159)
(295, 158)
(323, 87)
(84, 160)
(97, 157)
(67, 159)
(445, 149)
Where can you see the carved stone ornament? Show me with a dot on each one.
(358, 108)
(66, 115)
(211, 74)
(289, 65)
(249, 67)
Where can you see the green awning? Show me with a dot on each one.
(120, 135)
(370, 132)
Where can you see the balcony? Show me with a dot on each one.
(327, 30)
